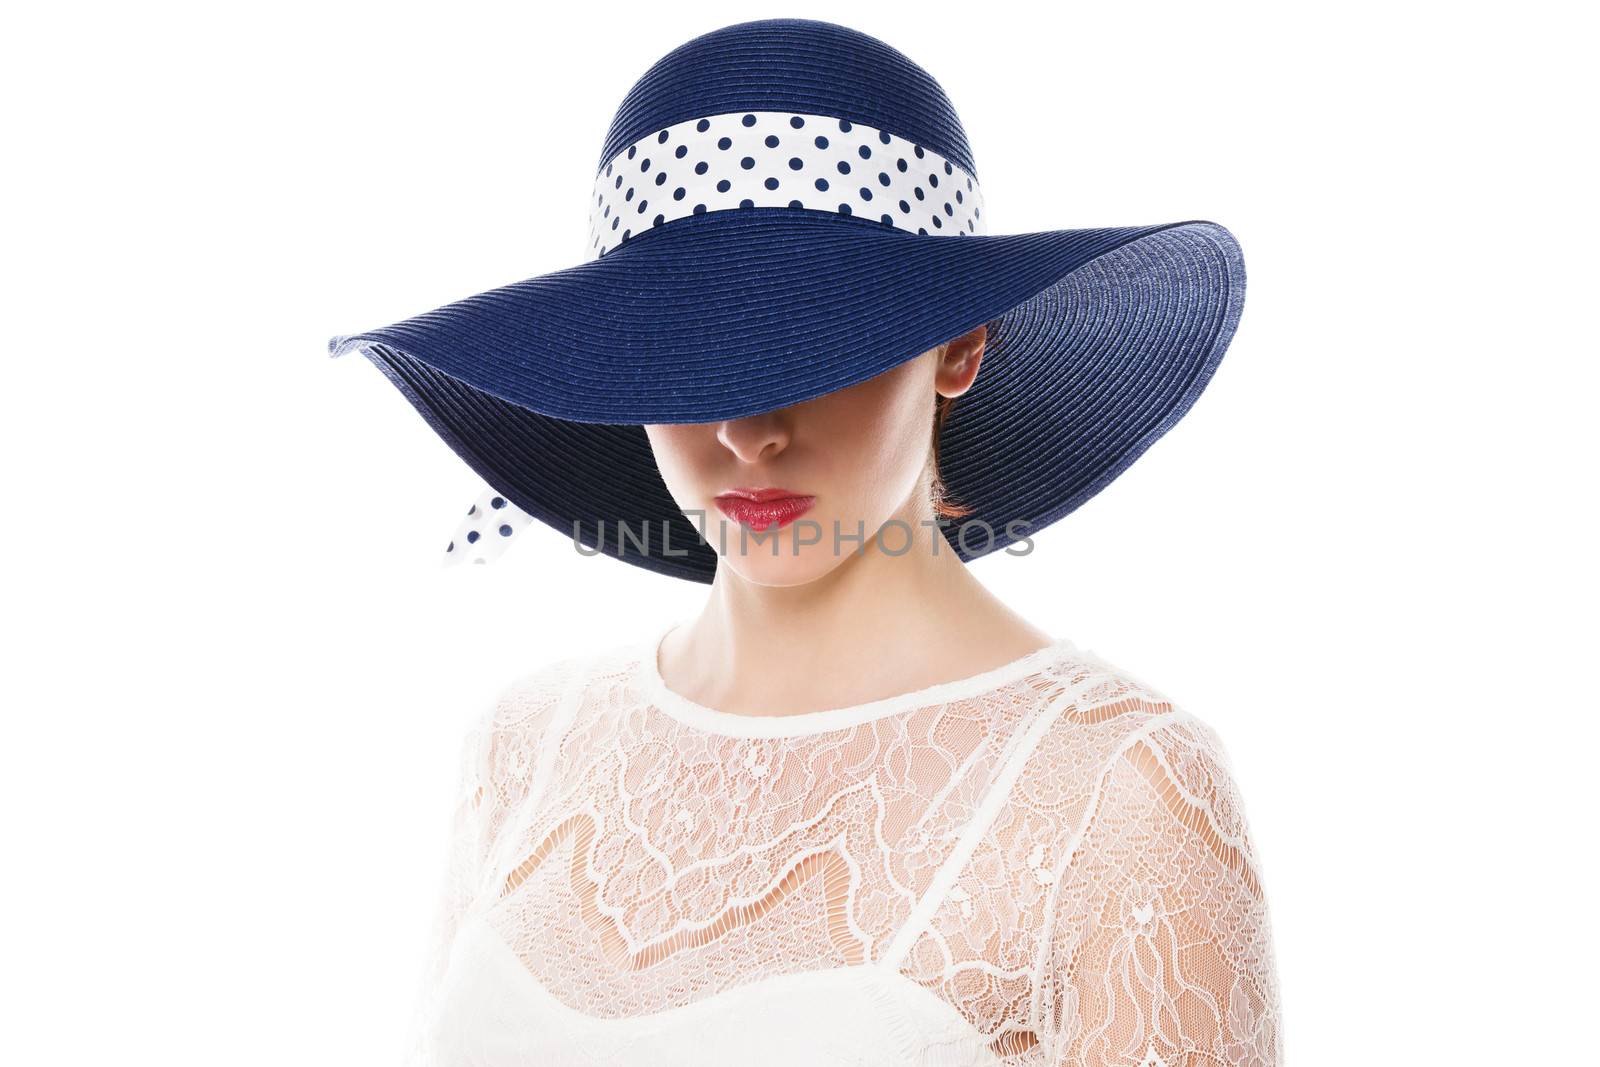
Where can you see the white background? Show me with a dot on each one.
(236, 674)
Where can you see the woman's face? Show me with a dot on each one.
(861, 454)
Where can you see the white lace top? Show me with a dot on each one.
(1047, 863)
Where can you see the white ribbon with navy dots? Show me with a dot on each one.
(751, 159)
(780, 159)
(490, 524)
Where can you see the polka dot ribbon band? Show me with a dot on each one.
(490, 524)
(780, 159)
(751, 159)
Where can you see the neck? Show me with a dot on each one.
(875, 625)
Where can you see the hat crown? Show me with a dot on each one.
(801, 65)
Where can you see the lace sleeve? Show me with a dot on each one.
(464, 851)
(1159, 947)
(495, 774)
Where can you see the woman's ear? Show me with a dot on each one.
(958, 362)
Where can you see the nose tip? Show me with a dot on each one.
(755, 437)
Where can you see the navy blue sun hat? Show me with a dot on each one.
(784, 208)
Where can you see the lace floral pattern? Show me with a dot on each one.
(1055, 853)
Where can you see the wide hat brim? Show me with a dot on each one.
(1099, 340)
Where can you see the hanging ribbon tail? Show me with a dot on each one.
(487, 530)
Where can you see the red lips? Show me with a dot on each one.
(761, 508)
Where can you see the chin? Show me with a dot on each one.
(757, 560)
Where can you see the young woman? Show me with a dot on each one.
(856, 810)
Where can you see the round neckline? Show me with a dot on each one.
(732, 724)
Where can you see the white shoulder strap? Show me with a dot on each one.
(993, 801)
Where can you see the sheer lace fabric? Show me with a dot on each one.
(1045, 864)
